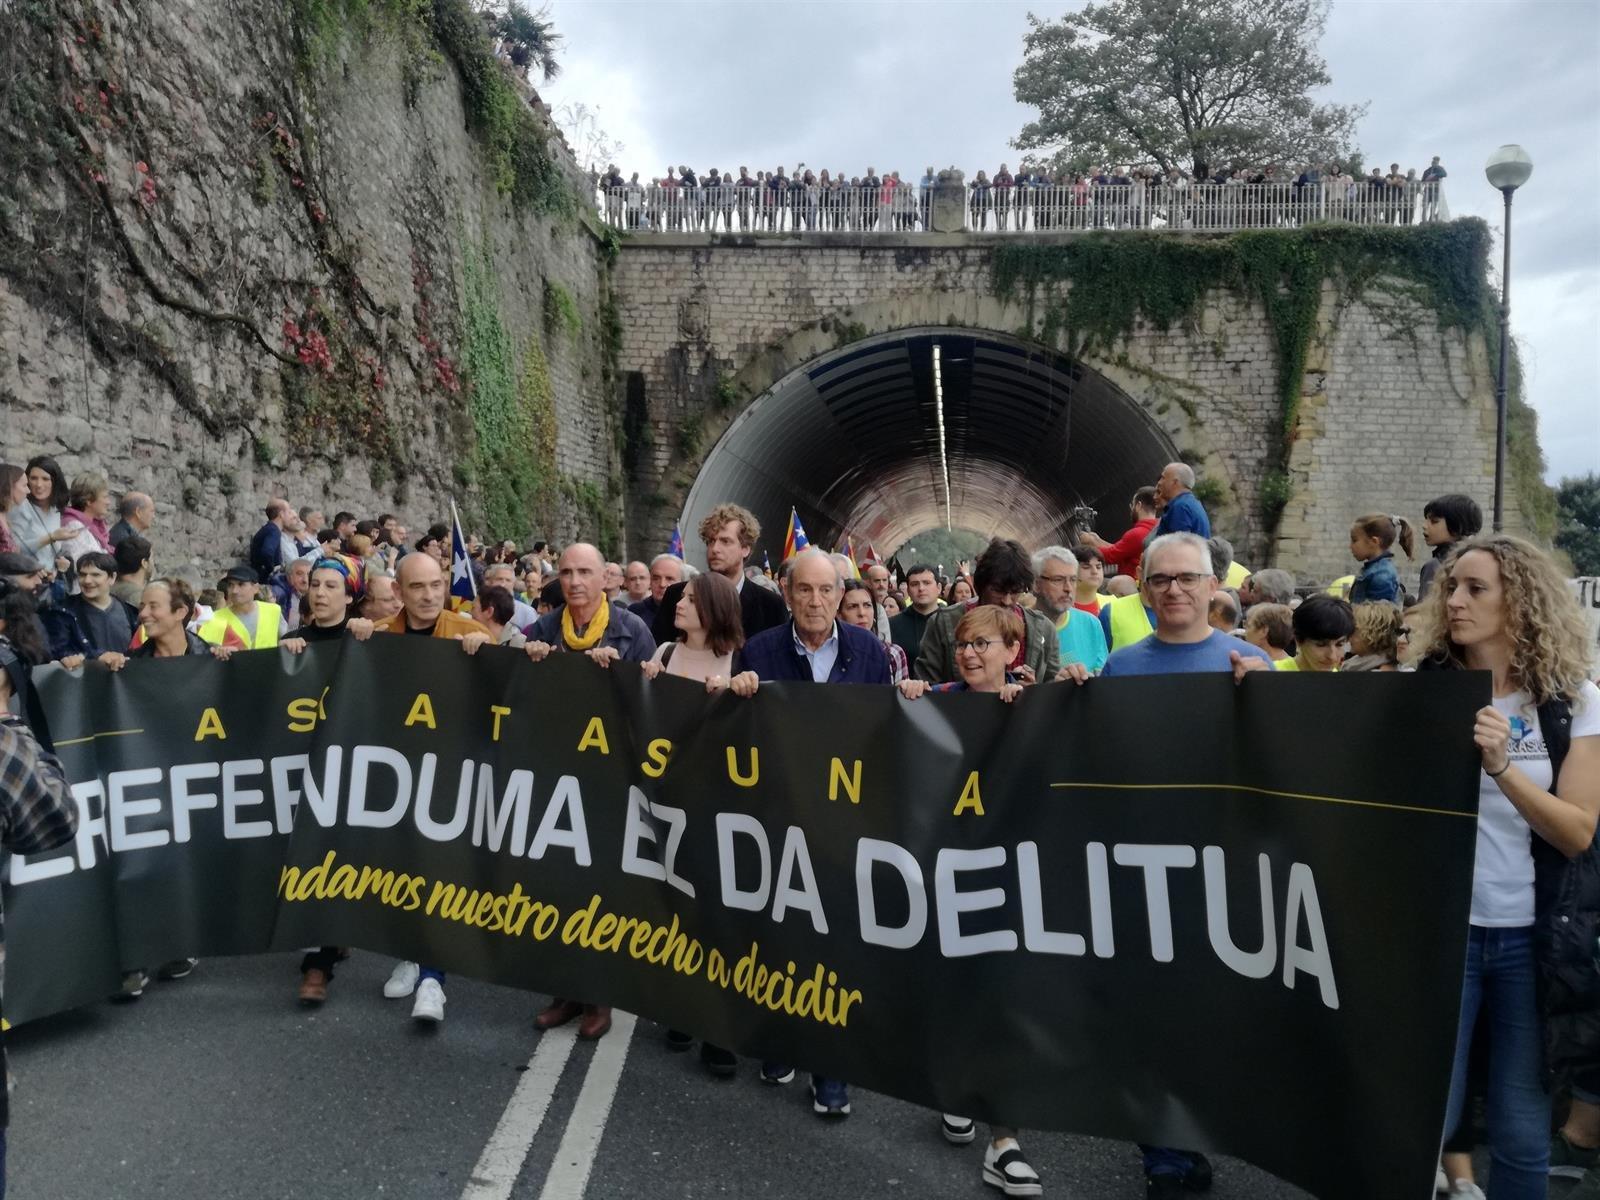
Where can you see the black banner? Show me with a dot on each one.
(1169, 909)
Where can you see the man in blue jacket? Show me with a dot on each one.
(813, 646)
(1184, 513)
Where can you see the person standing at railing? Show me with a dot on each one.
(611, 185)
(668, 202)
(980, 201)
(1307, 191)
(1076, 201)
(1431, 179)
(1002, 198)
(777, 193)
(1336, 192)
(743, 189)
(1394, 196)
(807, 196)
(633, 201)
(885, 199)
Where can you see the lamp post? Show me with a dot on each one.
(1508, 169)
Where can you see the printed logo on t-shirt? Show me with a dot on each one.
(1525, 739)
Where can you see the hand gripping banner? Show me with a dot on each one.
(1169, 909)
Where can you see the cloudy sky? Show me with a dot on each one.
(900, 84)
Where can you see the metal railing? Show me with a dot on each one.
(801, 208)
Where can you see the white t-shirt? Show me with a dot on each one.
(1502, 873)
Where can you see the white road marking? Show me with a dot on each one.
(568, 1177)
(501, 1161)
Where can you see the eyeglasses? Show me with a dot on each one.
(978, 644)
(1187, 580)
(1056, 579)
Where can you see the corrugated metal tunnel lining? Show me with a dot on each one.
(851, 439)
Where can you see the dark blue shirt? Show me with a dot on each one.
(1184, 515)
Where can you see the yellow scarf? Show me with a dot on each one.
(597, 627)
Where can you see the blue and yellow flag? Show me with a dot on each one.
(675, 543)
(796, 540)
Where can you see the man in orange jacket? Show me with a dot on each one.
(423, 613)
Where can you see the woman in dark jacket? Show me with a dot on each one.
(1531, 978)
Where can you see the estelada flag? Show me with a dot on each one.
(796, 540)
(462, 585)
(847, 548)
(675, 543)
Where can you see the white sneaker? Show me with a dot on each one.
(1467, 1189)
(957, 1130)
(402, 981)
(1441, 1182)
(1006, 1169)
(429, 1004)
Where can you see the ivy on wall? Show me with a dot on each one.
(1087, 293)
(513, 411)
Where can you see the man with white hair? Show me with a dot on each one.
(665, 570)
(505, 575)
(1183, 512)
(1055, 583)
(813, 646)
(1177, 584)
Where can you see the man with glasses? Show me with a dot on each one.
(1055, 584)
(1177, 585)
(1177, 582)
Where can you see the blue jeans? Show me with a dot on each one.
(432, 973)
(1499, 982)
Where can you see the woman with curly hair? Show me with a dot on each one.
(1531, 974)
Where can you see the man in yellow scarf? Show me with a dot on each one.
(585, 622)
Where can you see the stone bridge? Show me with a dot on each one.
(884, 385)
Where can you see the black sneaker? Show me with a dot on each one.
(1198, 1177)
(178, 968)
(721, 1063)
(1163, 1187)
(678, 1041)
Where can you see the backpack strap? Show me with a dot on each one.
(666, 655)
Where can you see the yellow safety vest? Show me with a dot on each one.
(226, 629)
(1129, 624)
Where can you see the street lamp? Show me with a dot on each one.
(1508, 169)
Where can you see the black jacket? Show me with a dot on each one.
(759, 610)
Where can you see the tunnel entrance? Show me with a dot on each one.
(932, 427)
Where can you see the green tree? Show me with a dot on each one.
(1578, 522)
(1188, 83)
(946, 547)
(529, 38)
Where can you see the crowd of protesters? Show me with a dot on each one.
(81, 585)
(1109, 197)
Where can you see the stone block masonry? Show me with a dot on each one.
(235, 264)
(1394, 410)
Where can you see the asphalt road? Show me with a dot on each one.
(220, 1087)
